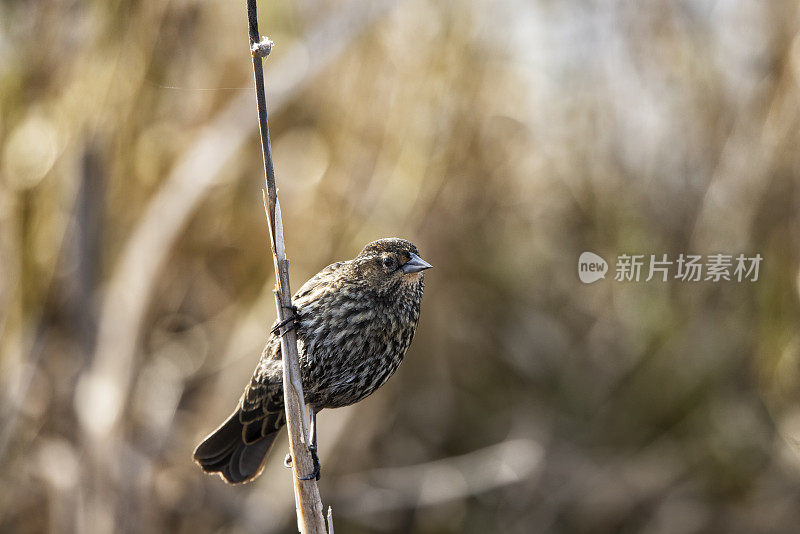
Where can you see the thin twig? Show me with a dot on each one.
(306, 492)
(330, 520)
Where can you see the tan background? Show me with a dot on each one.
(504, 139)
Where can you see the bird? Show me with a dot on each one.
(354, 321)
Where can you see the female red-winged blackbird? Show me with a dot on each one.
(354, 321)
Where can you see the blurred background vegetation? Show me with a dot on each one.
(504, 139)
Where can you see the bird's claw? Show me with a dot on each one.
(316, 473)
(291, 320)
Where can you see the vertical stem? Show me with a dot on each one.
(307, 499)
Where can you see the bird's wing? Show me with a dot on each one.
(319, 281)
(261, 406)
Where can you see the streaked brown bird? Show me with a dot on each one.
(354, 321)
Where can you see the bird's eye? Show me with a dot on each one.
(388, 262)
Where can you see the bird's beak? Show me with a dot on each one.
(415, 264)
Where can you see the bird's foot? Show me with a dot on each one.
(291, 320)
(315, 473)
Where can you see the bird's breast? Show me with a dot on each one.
(347, 355)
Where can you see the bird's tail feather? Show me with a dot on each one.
(225, 452)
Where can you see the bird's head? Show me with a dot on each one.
(391, 264)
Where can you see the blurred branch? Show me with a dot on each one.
(746, 166)
(306, 493)
(440, 481)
